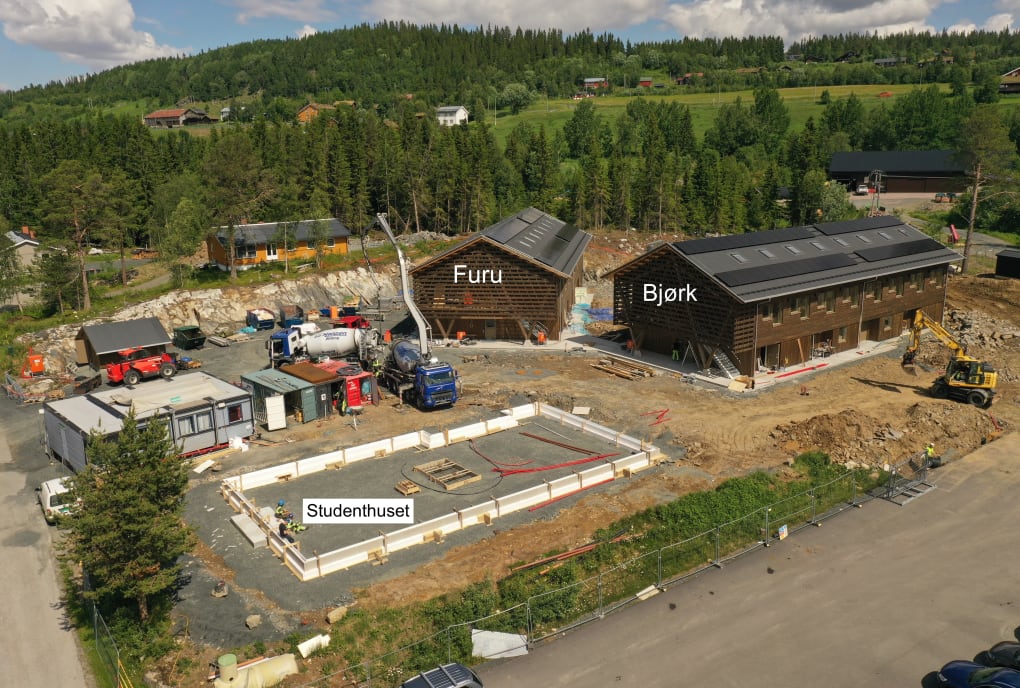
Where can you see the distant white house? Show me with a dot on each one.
(452, 115)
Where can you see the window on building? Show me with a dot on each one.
(885, 236)
(842, 335)
(844, 294)
(863, 238)
(776, 312)
(767, 253)
(330, 242)
(830, 300)
(841, 242)
(875, 290)
(794, 250)
(919, 280)
(819, 245)
(737, 257)
(244, 250)
(800, 305)
(855, 297)
(887, 322)
(235, 414)
(901, 282)
(310, 243)
(203, 421)
(185, 426)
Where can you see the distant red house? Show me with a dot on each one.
(596, 82)
(179, 117)
(645, 81)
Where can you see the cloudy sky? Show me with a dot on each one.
(46, 40)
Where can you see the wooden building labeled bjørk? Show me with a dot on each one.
(513, 280)
(746, 302)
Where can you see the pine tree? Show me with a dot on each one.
(128, 533)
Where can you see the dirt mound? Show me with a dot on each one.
(850, 436)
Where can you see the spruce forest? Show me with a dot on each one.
(79, 167)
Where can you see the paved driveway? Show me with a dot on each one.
(882, 596)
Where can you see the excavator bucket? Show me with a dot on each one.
(908, 361)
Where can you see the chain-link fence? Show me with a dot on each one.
(106, 647)
(552, 612)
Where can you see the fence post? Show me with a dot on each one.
(602, 611)
(766, 540)
(814, 509)
(717, 562)
(658, 582)
(449, 646)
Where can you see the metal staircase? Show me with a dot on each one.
(723, 362)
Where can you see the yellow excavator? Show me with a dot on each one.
(966, 378)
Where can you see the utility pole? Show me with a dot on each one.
(876, 179)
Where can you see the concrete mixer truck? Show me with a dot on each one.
(409, 370)
(295, 343)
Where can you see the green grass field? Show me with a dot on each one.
(802, 103)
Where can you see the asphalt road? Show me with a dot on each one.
(37, 645)
(880, 596)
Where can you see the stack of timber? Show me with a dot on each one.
(626, 368)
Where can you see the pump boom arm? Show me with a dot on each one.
(424, 331)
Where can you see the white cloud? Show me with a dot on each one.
(95, 33)
(295, 10)
(798, 19)
(998, 22)
(306, 31)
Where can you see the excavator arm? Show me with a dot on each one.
(922, 321)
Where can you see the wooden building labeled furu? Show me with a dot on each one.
(746, 302)
(513, 280)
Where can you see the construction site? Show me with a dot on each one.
(547, 443)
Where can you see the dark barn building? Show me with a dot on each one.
(902, 171)
(1007, 263)
(510, 281)
(743, 302)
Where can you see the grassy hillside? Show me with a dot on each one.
(802, 103)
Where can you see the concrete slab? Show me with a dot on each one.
(249, 529)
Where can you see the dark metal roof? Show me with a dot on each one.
(1009, 253)
(766, 265)
(541, 237)
(276, 380)
(115, 336)
(937, 162)
(266, 232)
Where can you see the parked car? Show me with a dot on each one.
(962, 674)
(861, 190)
(445, 676)
(1004, 654)
(55, 499)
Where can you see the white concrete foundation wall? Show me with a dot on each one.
(362, 552)
(476, 514)
(346, 557)
(596, 475)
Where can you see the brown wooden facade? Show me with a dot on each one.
(258, 254)
(516, 297)
(777, 332)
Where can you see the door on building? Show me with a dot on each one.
(490, 329)
(870, 330)
(276, 413)
(768, 356)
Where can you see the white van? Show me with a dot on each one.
(55, 499)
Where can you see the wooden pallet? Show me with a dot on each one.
(448, 474)
(407, 487)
